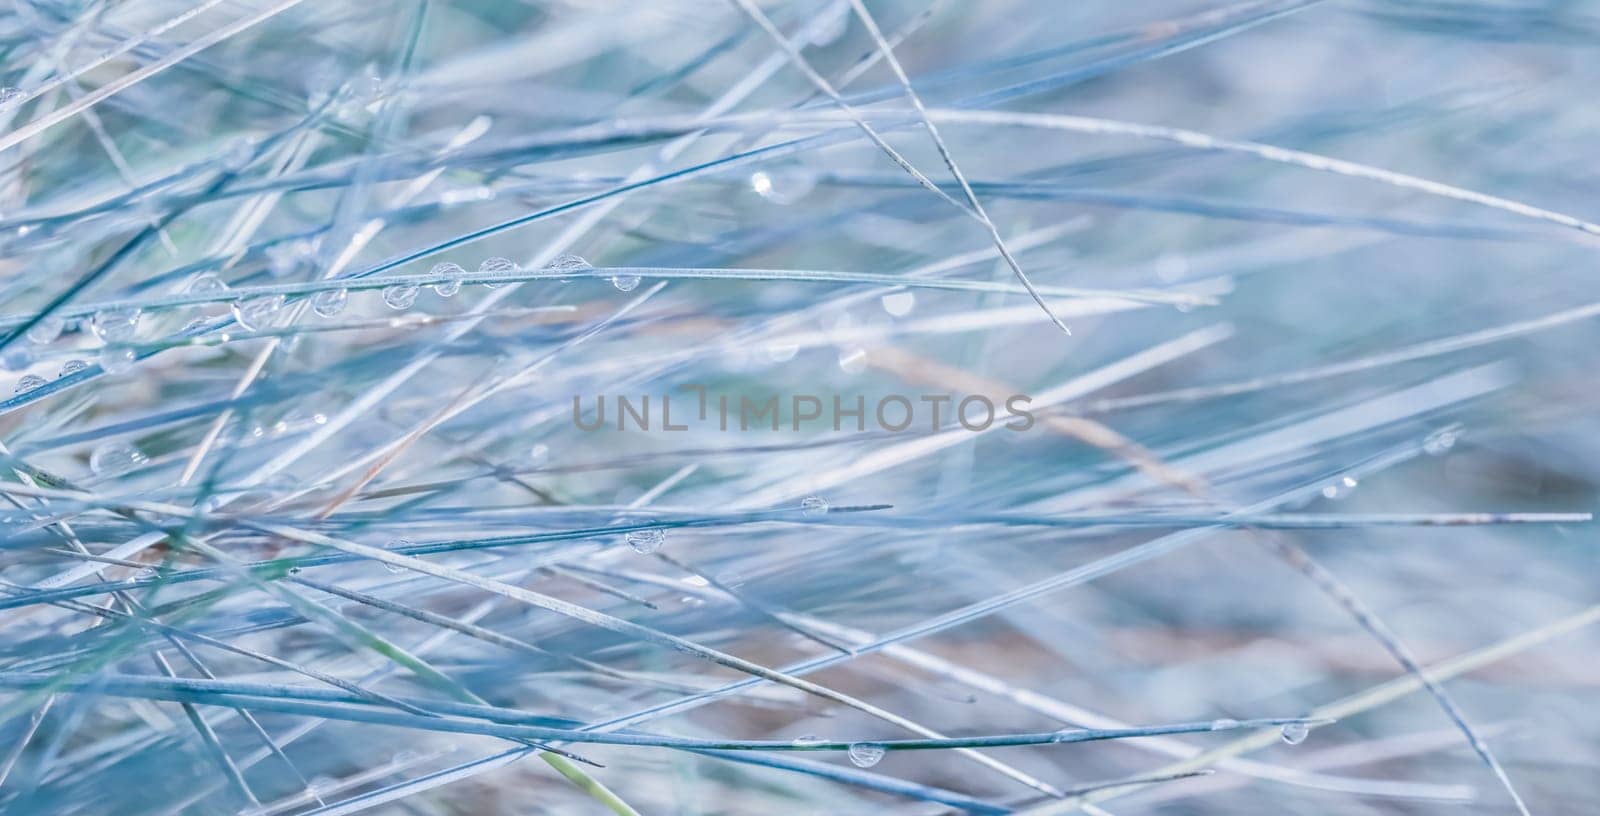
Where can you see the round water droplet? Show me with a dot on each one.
(46, 330)
(206, 284)
(256, 313)
(1295, 733)
(865, 754)
(899, 304)
(29, 383)
(814, 506)
(329, 302)
(646, 541)
(116, 360)
(1224, 724)
(567, 260)
(72, 367)
(625, 283)
(1440, 442)
(114, 458)
(400, 296)
(498, 266)
(539, 454)
(114, 325)
(450, 283)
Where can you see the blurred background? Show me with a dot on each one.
(297, 298)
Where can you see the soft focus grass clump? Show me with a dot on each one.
(298, 299)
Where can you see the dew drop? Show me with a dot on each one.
(1440, 442)
(449, 283)
(71, 367)
(114, 325)
(206, 284)
(865, 754)
(114, 458)
(400, 296)
(497, 266)
(255, 313)
(9, 96)
(539, 454)
(329, 302)
(625, 283)
(814, 506)
(1295, 733)
(46, 330)
(567, 260)
(899, 304)
(1224, 724)
(807, 741)
(646, 541)
(29, 383)
(117, 360)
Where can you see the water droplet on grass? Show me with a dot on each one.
(646, 541)
(114, 325)
(113, 458)
(498, 266)
(117, 360)
(1439, 442)
(400, 296)
(329, 302)
(72, 367)
(814, 506)
(1295, 733)
(567, 260)
(625, 283)
(866, 754)
(899, 304)
(450, 283)
(256, 313)
(29, 383)
(46, 330)
(206, 284)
